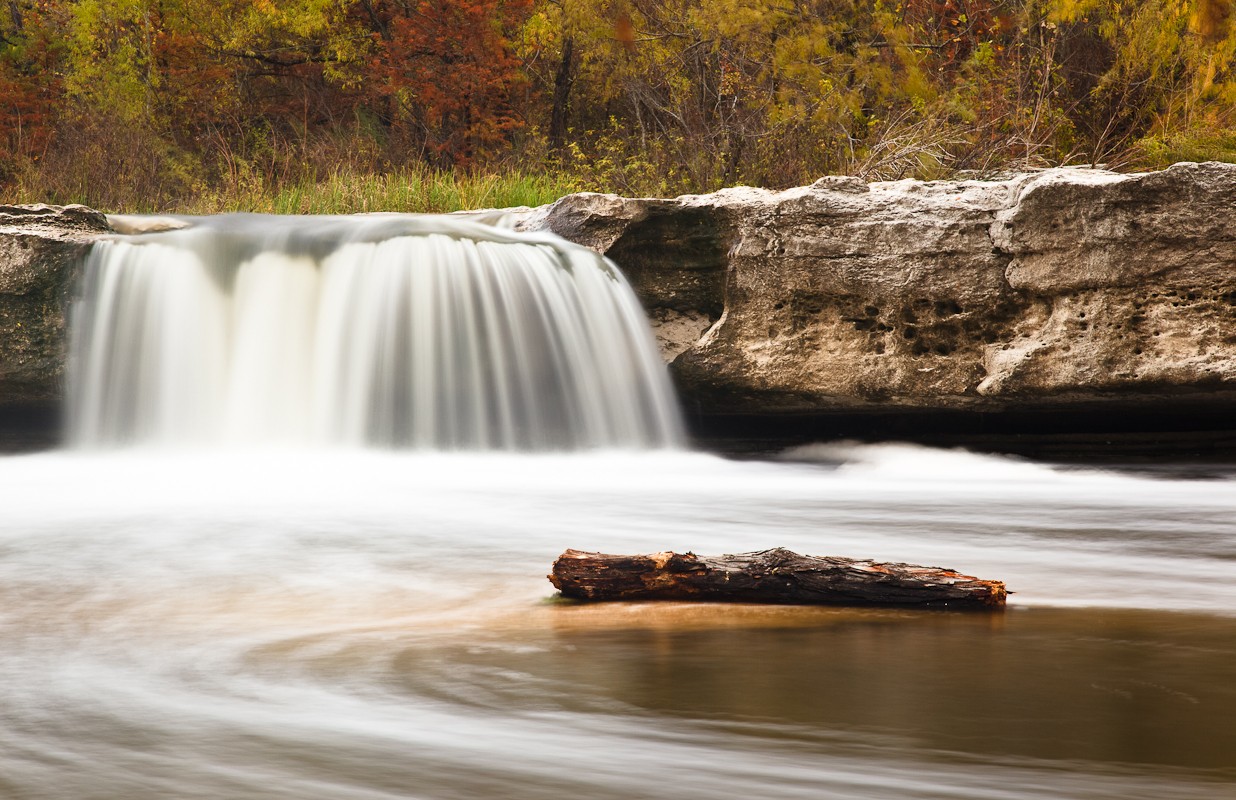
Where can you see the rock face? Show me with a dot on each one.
(1063, 289)
(1057, 294)
(40, 247)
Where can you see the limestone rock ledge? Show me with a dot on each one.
(1061, 289)
(1056, 293)
(40, 248)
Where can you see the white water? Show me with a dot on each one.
(270, 618)
(390, 330)
(373, 625)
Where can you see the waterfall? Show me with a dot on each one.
(386, 330)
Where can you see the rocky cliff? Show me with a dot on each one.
(1062, 292)
(1083, 298)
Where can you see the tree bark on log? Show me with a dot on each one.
(769, 576)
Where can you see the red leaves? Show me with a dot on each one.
(450, 69)
(29, 88)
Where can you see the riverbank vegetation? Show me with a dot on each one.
(424, 105)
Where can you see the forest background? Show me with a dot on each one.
(428, 105)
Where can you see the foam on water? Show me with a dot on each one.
(315, 624)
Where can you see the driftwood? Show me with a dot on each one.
(769, 576)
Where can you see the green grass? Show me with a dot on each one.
(408, 190)
(412, 191)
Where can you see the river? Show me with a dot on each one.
(348, 624)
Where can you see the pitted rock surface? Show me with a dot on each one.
(1046, 289)
(40, 249)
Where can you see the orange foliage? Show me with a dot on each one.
(644, 96)
(29, 90)
(195, 89)
(449, 70)
(955, 27)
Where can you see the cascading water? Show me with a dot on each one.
(366, 623)
(389, 330)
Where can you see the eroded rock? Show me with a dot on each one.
(40, 247)
(1054, 289)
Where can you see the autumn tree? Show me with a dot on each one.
(762, 92)
(444, 75)
(112, 100)
(1163, 76)
(29, 86)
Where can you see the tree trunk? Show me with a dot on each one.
(769, 576)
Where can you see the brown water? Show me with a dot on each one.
(352, 625)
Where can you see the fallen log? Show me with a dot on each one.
(769, 576)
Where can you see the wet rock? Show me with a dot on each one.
(40, 246)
